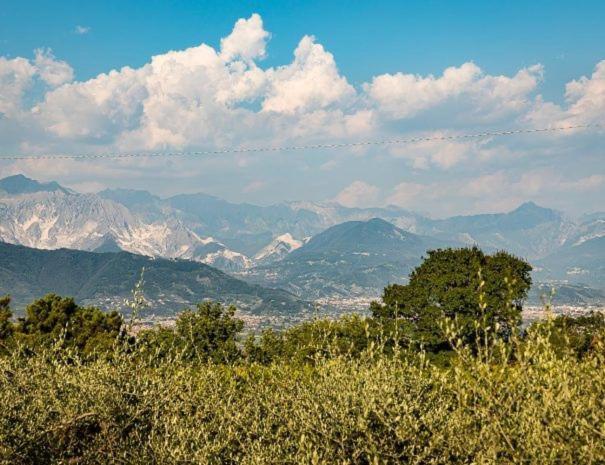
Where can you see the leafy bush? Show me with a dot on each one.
(543, 407)
(206, 334)
(307, 341)
(580, 335)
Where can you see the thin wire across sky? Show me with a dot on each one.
(289, 148)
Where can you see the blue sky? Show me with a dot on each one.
(367, 38)
(368, 70)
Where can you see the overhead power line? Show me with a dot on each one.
(288, 148)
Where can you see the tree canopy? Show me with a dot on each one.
(463, 284)
(53, 318)
(207, 333)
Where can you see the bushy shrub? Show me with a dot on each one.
(579, 335)
(307, 341)
(538, 406)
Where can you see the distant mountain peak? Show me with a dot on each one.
(278, 248)
(127, 197)
(530, 205)
(375, 235)
(20, 184)
(380, 222)
(534, 212)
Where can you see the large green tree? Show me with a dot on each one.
(87, 329)
(208, 333)
(464, 284)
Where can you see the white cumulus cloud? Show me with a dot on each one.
(400, 96)
(52, 71)
(358, 194)
(247, 40)
(15, 78)
(309, 83)
(584, 102)
(204, 97)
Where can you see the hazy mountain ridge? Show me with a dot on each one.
(355, 258)
(61, 218)
(529, 231)
(19, 184)
(582, 262)
(107, 278)
(269, 244)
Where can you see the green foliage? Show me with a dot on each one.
(207, 334)
(6, 326)
(346, 391)
(462, 284)
(54, 319)
(580, 335)
(308, 341)
(544, 408)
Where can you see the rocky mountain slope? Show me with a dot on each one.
(278, 248)
(39, 216)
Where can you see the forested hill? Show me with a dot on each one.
(108, 278)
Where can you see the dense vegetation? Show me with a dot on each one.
(78, 386)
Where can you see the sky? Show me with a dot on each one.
(133, 76)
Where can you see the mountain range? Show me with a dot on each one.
(313, 249)
(106, 279)
(351, 259)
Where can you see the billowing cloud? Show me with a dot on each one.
(201, 97)
(15, 78)
(52, 71)
(401, 96)
(358, 194)
(97, 110)
(310, 82)
(204, 97)
(584, 103)
(18, 75)
(247, 40)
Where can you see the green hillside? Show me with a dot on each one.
(107, 278)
